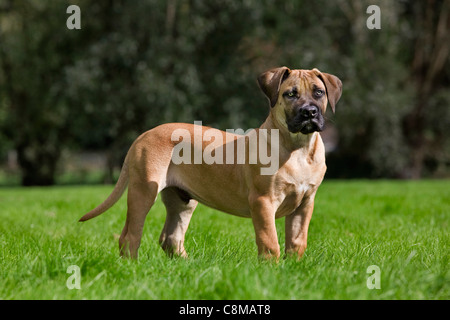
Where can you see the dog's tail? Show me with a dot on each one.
(115, 195)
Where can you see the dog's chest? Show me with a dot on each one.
(295, 185)
(291, 198)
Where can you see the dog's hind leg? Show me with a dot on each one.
(179, 208)
(141, 197)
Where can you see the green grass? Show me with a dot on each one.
(400, 226)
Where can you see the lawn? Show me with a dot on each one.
(401, 227)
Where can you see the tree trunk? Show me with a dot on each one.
(432, 48)
(38, 166)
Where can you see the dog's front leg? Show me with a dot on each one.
(296, 228)
(263, 216)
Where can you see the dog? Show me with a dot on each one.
(298, 100)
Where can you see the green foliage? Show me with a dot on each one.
(134, 65)
(35, 49)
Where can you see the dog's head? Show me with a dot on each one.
(299, 98)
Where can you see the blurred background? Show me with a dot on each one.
(73, 101)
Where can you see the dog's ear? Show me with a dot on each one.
(333, 86)
(270, 82)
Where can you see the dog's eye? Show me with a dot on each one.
(291, 94)
(318, 93)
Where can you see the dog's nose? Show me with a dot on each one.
(309, 112)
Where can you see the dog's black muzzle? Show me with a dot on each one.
(307, 119)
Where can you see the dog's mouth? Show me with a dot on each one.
(306, 127)
(297, 125)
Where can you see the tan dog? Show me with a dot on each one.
(298, 100)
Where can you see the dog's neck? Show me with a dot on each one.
(291, 141)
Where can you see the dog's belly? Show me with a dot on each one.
(240, 210)
(217, 186)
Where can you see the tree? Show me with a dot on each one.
(426, 125)
(35, 48)
(134, 65)
(152, 62)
